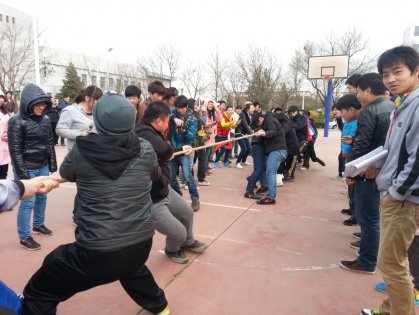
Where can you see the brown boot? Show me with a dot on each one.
(195, 205)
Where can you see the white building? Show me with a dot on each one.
(411, 36)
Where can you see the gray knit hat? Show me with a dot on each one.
(114, 115)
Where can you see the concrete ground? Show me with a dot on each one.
(280, 259)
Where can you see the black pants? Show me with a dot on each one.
(342, 161)
(202, 159)
(70, 269)
(310, 153)
(53, 127)
(3, 170)
(413, 254)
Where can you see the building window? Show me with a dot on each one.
(13, 20)
(7, 19)
(1, 17)
(416, 30)
(102, 82)
(84, 79)
(125, 83)
(94, 80)
(118, 85)
(111, 84)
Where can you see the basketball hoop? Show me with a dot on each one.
(326, 78)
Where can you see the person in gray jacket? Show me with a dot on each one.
(115, 226)
(398, 181)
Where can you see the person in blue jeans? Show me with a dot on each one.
(183, 130)
(31, 144)
(275, 152)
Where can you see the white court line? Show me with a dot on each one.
(252, 244)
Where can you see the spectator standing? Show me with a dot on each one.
(4, 147)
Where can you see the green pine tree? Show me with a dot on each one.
(71, 84)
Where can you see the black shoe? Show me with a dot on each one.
(196, 247)
(354, 266)
(347, 212)
(251, 195)
(288, 179)
(355, 245)
(29, 243)
(356, 235)
(350, 222)
(178, 256)
(321, 162)
(262, 190)
(43, 230)
(266, 201)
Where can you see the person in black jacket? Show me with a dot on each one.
(276, 151)
(173, 216)
(31, 146)
(241, 130)
(299, 122)
(54, 116)
(113, 171)
(310, 153)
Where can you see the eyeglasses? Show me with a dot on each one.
(40, 105)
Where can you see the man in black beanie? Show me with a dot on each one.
(113, 171)
(133, 94)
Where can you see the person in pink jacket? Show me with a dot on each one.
(4, 147)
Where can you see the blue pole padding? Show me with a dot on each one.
(328, 106)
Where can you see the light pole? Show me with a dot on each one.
(97, 69)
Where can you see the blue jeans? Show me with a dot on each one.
(38, 203)
(244, 150)
(222, 150)
(185, 164)
(367, 205)
(273, 160)
(258, 154)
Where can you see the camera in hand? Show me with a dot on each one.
(181, 130)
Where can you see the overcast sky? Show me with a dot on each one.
(134, 28)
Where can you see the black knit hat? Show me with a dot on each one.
(132, 90)
(114, 115)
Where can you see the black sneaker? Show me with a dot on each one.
(321, 162)
(262, 190)
(350, 222)
(347, 212)
(355, 245)
(356, 235)
(288, 179)
(353, 265)
(196, 247)
(178, 256)
(29, 243)
(251, 195)
(42, 230)
(266, 201)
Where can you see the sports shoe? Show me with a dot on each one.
(288, 179)
(29, 243)
(227, 164)
(165, 311)
(43, 230)
(366, 311)
(203, 183)
(355, 245)
(217, 165)
(238, 165)
(321, 162)
(208, 173)
(266, 201)
(262, 190)
(337, 178)
(356, 235)
(251, 195)
(196, 247)
(178, 256)
(246, 163)
(195, 205)
(347, 212)
(352, 265)
(303, 168)
(350, 222)
(381, 287)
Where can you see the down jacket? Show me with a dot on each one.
(31, 142)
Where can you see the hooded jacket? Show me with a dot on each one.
(299, 122)
(275, 138)
(190, 124)
(399, 174)
(31, 142)
(113, 189)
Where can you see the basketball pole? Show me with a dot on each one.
(328, 106)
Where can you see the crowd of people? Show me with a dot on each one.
(155, 145)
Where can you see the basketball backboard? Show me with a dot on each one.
(321, 67)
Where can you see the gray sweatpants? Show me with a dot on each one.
(173, 217)
(413, 254)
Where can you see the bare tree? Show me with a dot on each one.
(16, 55)
(351, 43)
(235, 84)
(193, 80)
(217, 66)
(261, 72)
(165, 59)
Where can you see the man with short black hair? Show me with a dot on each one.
(133, 94)
(398, 183)
(156, 91)
(372, 127)
(352, 82)
(170, 96)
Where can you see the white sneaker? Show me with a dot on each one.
(303, 168)
(203, 183)
(238, 165)
(247, 163)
